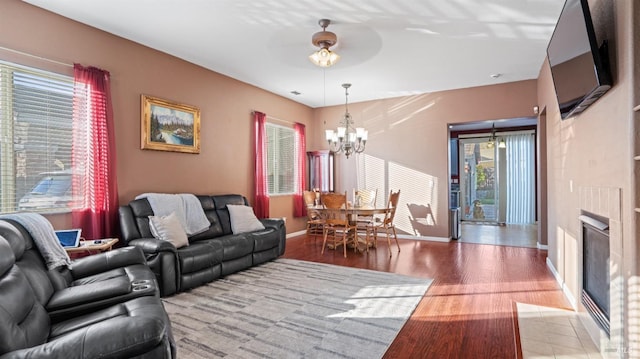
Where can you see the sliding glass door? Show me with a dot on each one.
(478, 180)
(497, 185)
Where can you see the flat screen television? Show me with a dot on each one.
(579, 68)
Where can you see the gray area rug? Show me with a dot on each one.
(294, 309)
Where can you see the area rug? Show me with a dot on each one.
(294, 309)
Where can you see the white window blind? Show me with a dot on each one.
(280, 159)
(36, 110)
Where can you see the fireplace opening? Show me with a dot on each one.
(595, 268)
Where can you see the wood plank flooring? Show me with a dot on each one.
(468, 312)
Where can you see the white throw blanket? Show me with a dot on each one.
(44, 237)
(186, 206)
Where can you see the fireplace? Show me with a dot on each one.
(595, 294)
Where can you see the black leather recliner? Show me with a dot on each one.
(210, 255)
(85, 312)
(93, 282)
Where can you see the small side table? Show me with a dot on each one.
(99, 245)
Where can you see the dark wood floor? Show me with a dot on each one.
(468, 311)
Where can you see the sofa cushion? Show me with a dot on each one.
(168, 228)
(141, 210)
(215, 229)
(243, 219)
(265, 239)
(200, 255)
(235, 246)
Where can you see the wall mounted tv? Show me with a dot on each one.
(579, 68)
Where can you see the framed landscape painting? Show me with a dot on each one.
(168, 126)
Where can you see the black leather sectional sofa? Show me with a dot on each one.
(211, 254)
(105, 306)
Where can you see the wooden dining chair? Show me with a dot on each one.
(314, 217)
(365, 198)
(336, 222)
(386, 223)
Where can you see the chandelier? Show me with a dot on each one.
(347, 138)
(324, 40)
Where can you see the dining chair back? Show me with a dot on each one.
(365, 197)
(336, 220)
(309, 197)
(386, 223)
(314, 217)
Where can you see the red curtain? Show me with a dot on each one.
(299, 207)
(261, 205)
(93, 155)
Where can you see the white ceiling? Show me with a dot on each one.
(388, 48)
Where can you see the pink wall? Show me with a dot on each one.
(408, 145)
(594, 151)
(224, 164)
(408, 133)
(591, 149)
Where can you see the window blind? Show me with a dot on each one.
(36, 111)
(280, 159)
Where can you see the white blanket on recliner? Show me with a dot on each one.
(186, 206)
(44, 237)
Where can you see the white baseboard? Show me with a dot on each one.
(542, 246)
(424, 238)
(561, 282)
(295, 234)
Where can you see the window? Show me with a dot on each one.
(280, 159)
(36, 111)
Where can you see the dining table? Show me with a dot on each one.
(353, 212)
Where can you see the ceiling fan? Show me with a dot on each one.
(324, 39)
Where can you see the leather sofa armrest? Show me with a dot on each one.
(275, 223)
(118, 337)
(89, 293)
(162, 258)
(279, 226)
(102, 262)
(153, 245)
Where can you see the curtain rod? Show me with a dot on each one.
(503, 133)
(35, 56)
(275, 119)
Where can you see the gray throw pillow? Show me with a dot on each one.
(168, 228)
(243, 219)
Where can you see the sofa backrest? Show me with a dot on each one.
(134, 217)
(25, 322)
(221, 203)
(28, 258)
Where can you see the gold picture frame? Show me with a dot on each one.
(169, 126)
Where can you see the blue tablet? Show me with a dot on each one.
(69, 238)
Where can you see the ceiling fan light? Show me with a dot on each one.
(324, 40)
(324, 57)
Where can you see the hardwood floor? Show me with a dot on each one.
(468, 311)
